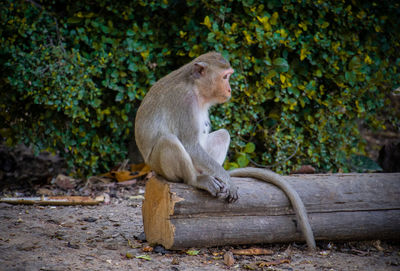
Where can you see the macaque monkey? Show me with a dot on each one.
(172, 128)
(172, 131)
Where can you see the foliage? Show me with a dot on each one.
(307, 74)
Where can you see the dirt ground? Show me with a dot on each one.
(106, 237)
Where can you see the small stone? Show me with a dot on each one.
(90, 219)
(141, 237)
(160, 249)
(111, 246)
(129, 255)
(65, 182)
(74, 246)
(175, 261)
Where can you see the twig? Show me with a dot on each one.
(278, 163)
(58, 200)
(35, 4)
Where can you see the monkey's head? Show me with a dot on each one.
(211, 73)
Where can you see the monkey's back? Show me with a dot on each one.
(160, 112)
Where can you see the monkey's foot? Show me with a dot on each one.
(217, 188)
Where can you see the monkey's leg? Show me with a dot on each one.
(170, 159)
(217, 145)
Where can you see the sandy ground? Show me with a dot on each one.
(104, 237)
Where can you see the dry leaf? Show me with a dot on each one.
(324, 253)
(273, 263)
(65, 182)
(137, 167)
(252, 251)
(250, 266)
(147, 249)
(143, 169)
(305, 169)
(377, 245)
(228, 259)
(123, 175)
(44, 192)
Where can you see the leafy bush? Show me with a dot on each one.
(307, 74)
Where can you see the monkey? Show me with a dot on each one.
(173, 133)
(172, 126)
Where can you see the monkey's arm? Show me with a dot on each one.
(209, 172)
(275, 179)
(189, 135)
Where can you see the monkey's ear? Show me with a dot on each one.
(198, 69)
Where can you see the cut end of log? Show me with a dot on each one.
(157, 208)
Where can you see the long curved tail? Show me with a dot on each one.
(277, 180)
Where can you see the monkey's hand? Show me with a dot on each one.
(217, 187)
(232, 193)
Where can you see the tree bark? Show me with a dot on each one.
(340, 207)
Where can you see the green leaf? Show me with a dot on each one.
(192, 252)
(267, 61)
(74, 20)
(281, 64)
(350, 77)
(271, 74)
(144, 257)
(132, 67)
(355, 63)
(105, 29)
(242, 160)
(96, 103)
(131, 96)
(129, 255)
(231, 165)
(250, 147)
(119, 97)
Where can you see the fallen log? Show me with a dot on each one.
(340, 207)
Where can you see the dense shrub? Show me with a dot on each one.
(307, 74)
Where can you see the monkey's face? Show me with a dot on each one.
(212, 82)
(223, 91)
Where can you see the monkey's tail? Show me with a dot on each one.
(277, 180)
